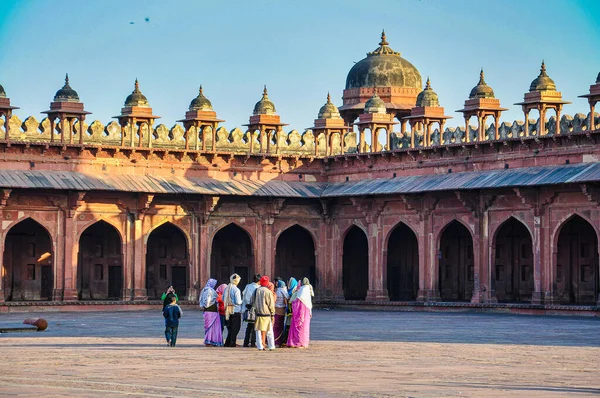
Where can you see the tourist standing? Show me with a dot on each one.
(172, 313)
(281, 302)
(247, 298)
(291, 289)
(264, 305)
(212, 324)
(233, 310)
(299, 334)
(221, 305)
(166, 296)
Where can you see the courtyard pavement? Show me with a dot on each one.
(352, 353)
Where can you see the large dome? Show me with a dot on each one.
(383, 68)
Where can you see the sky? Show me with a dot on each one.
(300, 49)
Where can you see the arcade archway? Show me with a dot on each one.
(295, 255)
(355, 264)
(513, 262)
(167, 261)
(577, 263)
(100, 263)
(28, 259)
(231, 253)
(403, 264)
(456, 267)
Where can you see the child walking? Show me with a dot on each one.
(172, 313)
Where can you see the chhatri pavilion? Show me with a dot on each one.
(379, 202)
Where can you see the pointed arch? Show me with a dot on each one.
(29, 261)
(456, 262)
(512, 256)
(100, 262)
(232, 251)
(96, 220)
(576, 277)
(167, 260)
(402, 263)
(295, 254)
(355, 263)
(167, 221)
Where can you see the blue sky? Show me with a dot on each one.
(300, 50)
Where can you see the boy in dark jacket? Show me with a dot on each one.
(172, 313)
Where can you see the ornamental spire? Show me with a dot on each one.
(383, 41)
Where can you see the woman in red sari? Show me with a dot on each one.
(299, 335)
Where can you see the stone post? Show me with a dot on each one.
(139, 263)
(71, 257)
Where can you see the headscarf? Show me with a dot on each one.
(264, 281)
(280, 284)
(292, 285)
(233, 281)
(306, 282)
(271, 287)
(294, 295)
(221, 289)
(305, 293)
(210, 285)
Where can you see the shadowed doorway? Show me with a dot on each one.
(295, 255)
(513, 262)
(403, 264)
(456, 271)
(231, 253)
(100, 263)
(28, 259)
(355, 265)
(577, 263)
(167, 261)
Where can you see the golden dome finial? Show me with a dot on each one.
(543, 69)
(428, 84)
(200, 91)
(383, 39)
(66, 79)
(265, 93)
(328, 98)
(137, 85)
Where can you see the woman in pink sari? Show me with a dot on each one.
(301, 313)
(213, 337)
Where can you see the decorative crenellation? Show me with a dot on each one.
(234, 141)
(284, 143)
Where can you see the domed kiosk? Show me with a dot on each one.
(385, 73)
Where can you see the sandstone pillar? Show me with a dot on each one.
(128, 259)
(139, 262)
(376, 290)
(59, 244)
(71, 254)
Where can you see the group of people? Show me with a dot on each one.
(277, 314)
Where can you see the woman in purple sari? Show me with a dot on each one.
(299, 335)
(212, 324)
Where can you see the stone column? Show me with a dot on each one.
(193, 257)
(71, 257)
(548, 254)
(2, 265)
(128, 258)
(59, 243)
(536, 297)
(592, 118)
(376, 291)
(204, 253)
(139, 262)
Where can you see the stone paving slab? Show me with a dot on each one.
(352, 353)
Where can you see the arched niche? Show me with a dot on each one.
(456, 266)
(513, 262)
(295, 255)
(100, 263)
(355, 264)
(28, 263)
(576, 277)
(167, 261)
(231, 253)
(403, 264)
